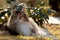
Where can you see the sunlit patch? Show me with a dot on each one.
(2, 17)
(5, 9)
(31, 11)
(45, 7)
(54, 20)
(6, 14)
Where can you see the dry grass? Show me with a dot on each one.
(8, 37)
(54, 29)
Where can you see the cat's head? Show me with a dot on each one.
(22, 14)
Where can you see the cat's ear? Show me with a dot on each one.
(13, 10)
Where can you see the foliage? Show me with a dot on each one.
(38, 13)
(10, 1)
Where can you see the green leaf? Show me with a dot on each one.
(28, 10)
(8, 1)
(2, 13)
(9, 12)
(49, 11)
(13, 0)
(46, 16)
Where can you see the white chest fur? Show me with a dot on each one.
(24, 27)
